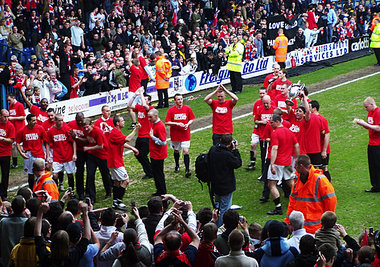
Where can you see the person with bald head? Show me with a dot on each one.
(44, 186)
(373, 127)
(158, 151)
(7, 136)
(262, 117)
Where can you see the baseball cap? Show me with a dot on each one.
(74, 231)
(33, 57)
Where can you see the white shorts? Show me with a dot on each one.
(178, 145)
(255, 139)
(28, 163)
(119, 174)
(69, 167)
(282, 172)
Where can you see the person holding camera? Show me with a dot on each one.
(224, 158)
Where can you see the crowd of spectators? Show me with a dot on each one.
(168, 232)
(66, 49)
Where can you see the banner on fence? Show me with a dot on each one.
(118, 99)
(359, 43)
(274, 23)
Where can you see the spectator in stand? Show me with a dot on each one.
(15, 40)
(259, 45)
(331, 21)
(308, 253)
(236, 256)
(300, 39)
(297, 220)
(11, 228)
(207, 252)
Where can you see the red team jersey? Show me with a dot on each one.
(156, 151)
(142, 117)
(109, 122)
(97, 137)
(312, 135)
(62, 143)
(78, 130)
(222, 116)
(41, 116)
(373, 118)
(48, 124)
(144, 74)
(276, 88)
(257, 106)
(135, 78)
(184, 115)
(33, 140)
(7, 130)
(327, 130)
(17, 110)
(268, 134)
(285, 140)
(298, 128)
(279, 101)
(116, 142)
(263, 114)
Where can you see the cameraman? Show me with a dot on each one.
(223, 159)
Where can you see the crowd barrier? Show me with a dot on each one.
(119, 98)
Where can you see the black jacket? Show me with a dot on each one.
(223, 162)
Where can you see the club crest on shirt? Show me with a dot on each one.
(12, 112)
(266, 117)
(221, 110)
(370, 120)
(3, 132)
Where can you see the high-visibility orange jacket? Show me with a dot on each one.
(45, 182)
(281, 47)
(313, 198)
(163, 72)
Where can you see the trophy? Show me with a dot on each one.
(294, 91)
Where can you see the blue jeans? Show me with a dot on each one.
(225, 202)
(329, 33)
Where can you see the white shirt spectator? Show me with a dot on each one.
(294, 241)
(104, 234)
(76, 35)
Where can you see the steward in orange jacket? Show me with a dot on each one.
(281, 47)
(163, 74)
(45, 182)
(312, 194)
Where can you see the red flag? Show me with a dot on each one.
(215, 21)
(365, 238)
(174, 18)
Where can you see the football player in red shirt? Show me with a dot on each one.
(7, 136)
(221, 112)
(105, 120)
(77, 133)
(97, 157)
(255, 137)
(325, 138)
(373, 126)
(142, 140)
(64, 150)
(279, 100)
(115, 163)
(274, 88)
(283, 144)
(158, 151)
(179, 118)
(40, 112)
(270, 78)
(32, 137)
(17, 118)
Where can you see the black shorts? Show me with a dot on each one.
(325, 161)
(316, 159)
